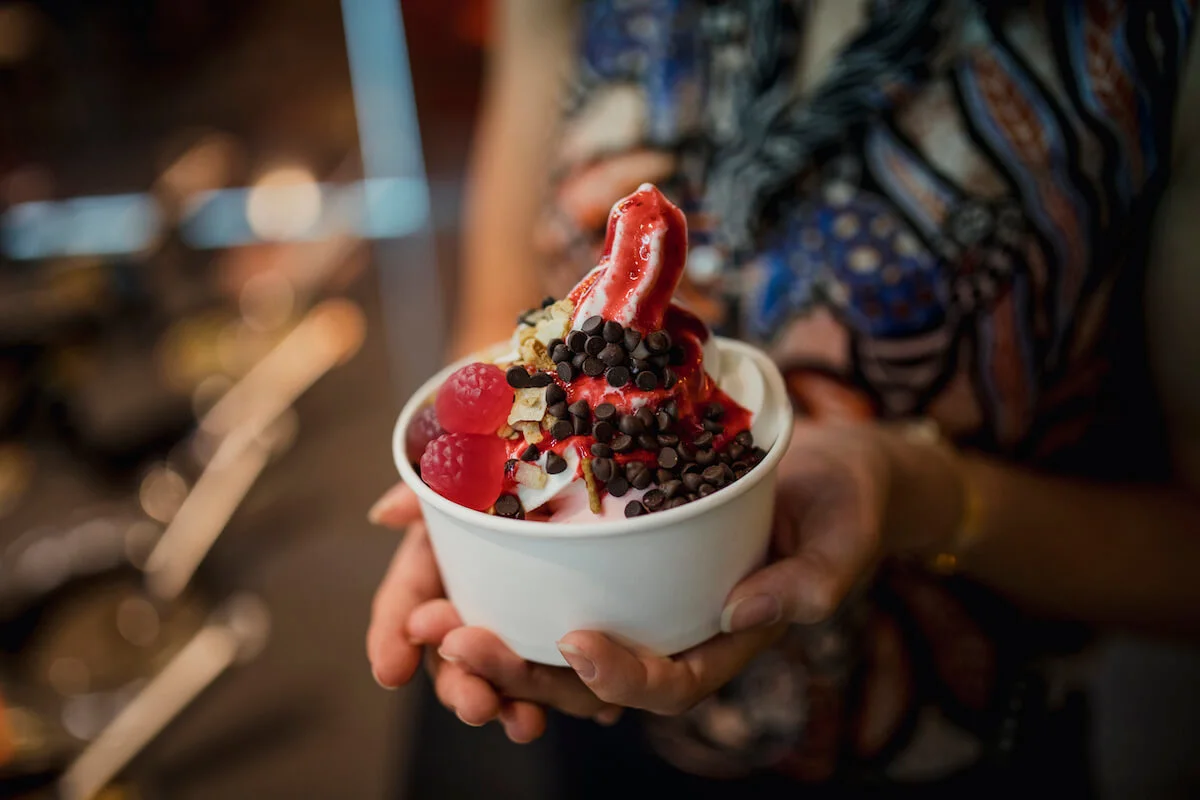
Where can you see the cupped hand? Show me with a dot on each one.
(829, 505)
(410, 615)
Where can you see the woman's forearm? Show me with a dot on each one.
(1108, 554)
(509, 169)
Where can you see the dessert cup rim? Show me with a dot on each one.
(775, 402)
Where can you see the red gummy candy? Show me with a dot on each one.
(423, 429)
(465, 468)
(475, 399)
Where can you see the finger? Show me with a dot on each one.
(430, 622)
(523, 722)
(470, 697)
(963, 656)
(398, 507)
(621, 676)
(486, 656)
(887, 688)
(411, 580)
(834, 550)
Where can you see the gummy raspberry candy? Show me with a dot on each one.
(465, 468)
(423, 429)
(475, 399)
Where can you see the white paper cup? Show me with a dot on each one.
(658, 581)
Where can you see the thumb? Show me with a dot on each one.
(804, 589)
(397, 508)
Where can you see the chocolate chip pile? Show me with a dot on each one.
(604, 347)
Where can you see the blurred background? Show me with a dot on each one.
(226, 242)
(206, 209)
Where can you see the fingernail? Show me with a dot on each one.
(583, 666)
(467, 722)
(758, 611)
(384, 504)
(608, 717)
(382, 685)
(448, 658)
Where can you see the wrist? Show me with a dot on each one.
(933, 508)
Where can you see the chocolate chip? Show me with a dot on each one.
(646, 417)
(601, 450)
(728, 470)
(724, 457)
(592, 325)
(634, 509)
(593, 367)
(612, 355)
(641, 477)
(580, 409)
(578, 359)
(706, 458)
(654, 499)
(540, 380)
(692, 481)
(713, 426)
(671, 408)
(672, 488)
(553, 343)
(639, 366)
(558, 410)
(617, 487)
(706, 490)
(739, 466)
(509, 506)
(757, 455)
(668, 439)
(632, 339)
(631, 425)
(647, 441)
(605, 411)
(658, 342)
(617, 376)
(738, 474)
(613, 332)
(703, 441)
(555, 394)
(714, 411)
(736, 452)
(530, 453)
(622, 443)
(517, 377)
(555, 463)
(675, 502)
(563, 429)
(663, 476)
(566, 372)
(647, 381)
(745, 439)
(677, 356)
(602, 468)
(669, 378)
(560, 353)
(548, 301)
(580, 425)
(641, 352)
(658, 362)
(594, 345)
(603, 431)
(509, 465)
(686, 453)
(690, 468)
(576, 341)
(664, 420)
(714, 474)
(668, 458)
